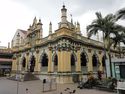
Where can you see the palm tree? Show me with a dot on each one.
(117, 39)
(120, 14)
(108, 27)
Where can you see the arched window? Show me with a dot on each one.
(94, 61)
(83, 59)
(44, 60)
(73, 61)
(23, 62)
(32, 63)
(56, 60)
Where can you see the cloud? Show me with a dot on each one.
(13, 16)
(18, 14)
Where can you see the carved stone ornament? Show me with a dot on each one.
(100, 52)
(37, 51)
(27, 53)
(50, 48)
(89, 50)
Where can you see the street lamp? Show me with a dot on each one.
(17, 75)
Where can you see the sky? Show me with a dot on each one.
(19, 14)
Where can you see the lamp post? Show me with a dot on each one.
(17, 75)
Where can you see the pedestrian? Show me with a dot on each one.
(27, 91)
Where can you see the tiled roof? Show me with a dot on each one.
(23, 31)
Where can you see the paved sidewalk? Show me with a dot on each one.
(35, 87)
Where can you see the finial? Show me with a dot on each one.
(39, 20)
(50, 28)
(71, 18)
(50, 23)
(39, 23)
(63, 5)
(35, 20)
(30, 26)
(77, 23)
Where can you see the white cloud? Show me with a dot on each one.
(18, 14)
(13, 16)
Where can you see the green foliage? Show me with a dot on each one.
(112, 32)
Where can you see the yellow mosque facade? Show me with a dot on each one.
(64, 54)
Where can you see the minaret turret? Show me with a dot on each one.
(64, 17)
(50, 28)
(8, 45)
(78, 28)
(35, 20)
(39, 24)
(39, 27)
(71, 19)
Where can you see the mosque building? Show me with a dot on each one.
(65, 53)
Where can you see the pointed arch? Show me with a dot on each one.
(95, 62)
(23, 61)
(73, 62)
(84, 61)
(55, 61)
(32, 63)
(44, 62)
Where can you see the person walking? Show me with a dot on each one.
(27, 91)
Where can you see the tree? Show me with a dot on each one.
(117, 39)
(120, 14)
(107, 26)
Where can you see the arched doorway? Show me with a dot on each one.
(23, 63)
(95, 63)
(32, 63)
(55, 62)
(83, 62)
(44, 63)
(73, 61)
